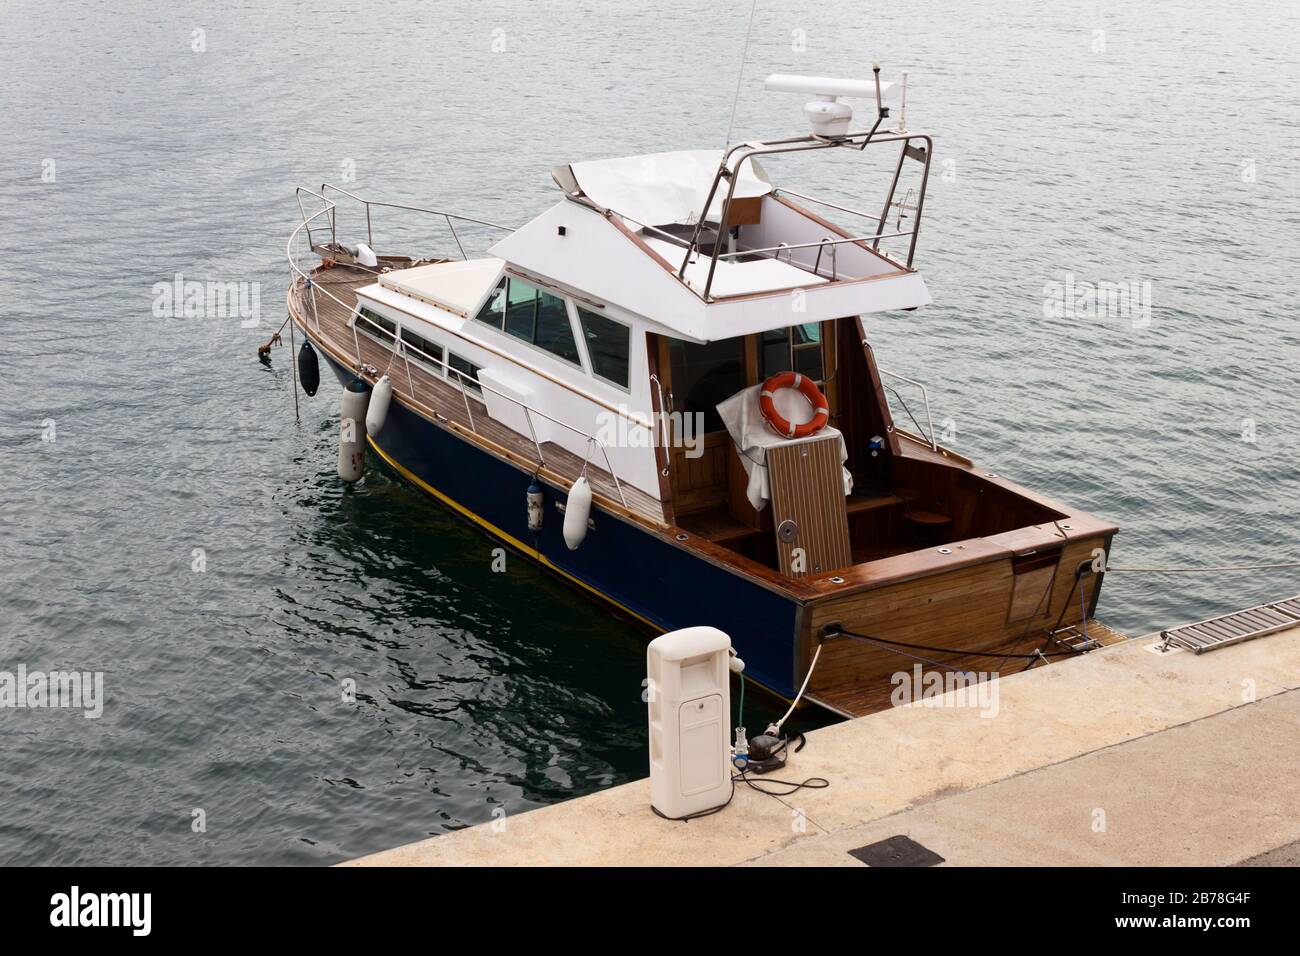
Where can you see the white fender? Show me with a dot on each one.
(576, 513)
(352, 430)
(377, 414)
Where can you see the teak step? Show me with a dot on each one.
(808, 510)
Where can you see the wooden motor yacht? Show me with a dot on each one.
(604, 391)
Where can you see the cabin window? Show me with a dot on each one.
(372, 323)
(470, 377)
(796, 349)
(430, 353)
(494, 309)
(704, 375)
(540, 319)
(608, 345)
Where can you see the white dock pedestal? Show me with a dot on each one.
(690, 709)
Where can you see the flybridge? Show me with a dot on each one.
(703, 243)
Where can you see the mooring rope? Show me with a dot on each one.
(1239, 567)
(937, 650)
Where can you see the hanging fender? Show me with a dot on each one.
(308, 369)
(377, 412)
(576, 512)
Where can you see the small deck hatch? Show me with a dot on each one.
(896, 851)
(1235, 627)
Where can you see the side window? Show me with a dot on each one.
(773, 352)
(540, 319)
(554, 331)
(430, 353)
(368, 321)
(521, 310)
(608, 344)
(470, 377)
(493, 311)
(806, 344)
(796, 349)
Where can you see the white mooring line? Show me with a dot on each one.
(1235, 627)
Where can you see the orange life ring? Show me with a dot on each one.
(808, 388)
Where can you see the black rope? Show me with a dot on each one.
(933, 650)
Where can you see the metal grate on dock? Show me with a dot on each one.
(1235, 627)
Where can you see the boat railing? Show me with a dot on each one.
(449, 218)
(313, 290)
(295, 241)
(404, 349)
(926, 432)
(296, 269)
(735, 156)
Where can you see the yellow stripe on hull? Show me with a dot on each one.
(503, 535)
(520, 546)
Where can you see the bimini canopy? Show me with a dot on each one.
(660, 189)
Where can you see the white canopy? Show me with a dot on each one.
(455, 286)
(664, 188)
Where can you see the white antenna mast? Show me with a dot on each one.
(740, 76)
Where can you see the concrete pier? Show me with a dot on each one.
(1122, 756)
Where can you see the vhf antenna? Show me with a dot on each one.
(902, 112)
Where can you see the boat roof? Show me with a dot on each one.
(598, 254)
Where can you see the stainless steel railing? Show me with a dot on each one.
(402, 347)
(478, 343)
(450, 218)
(735, 156)
(928, 432)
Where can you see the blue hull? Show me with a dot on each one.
(643, 574)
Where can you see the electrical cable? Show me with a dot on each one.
(740, 709)
(811, 783)
(799, 696)
(700, 813)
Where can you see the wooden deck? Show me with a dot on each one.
(442, 402)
